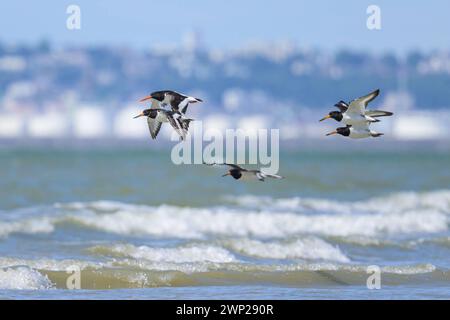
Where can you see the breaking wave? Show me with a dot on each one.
(133, 273)
(23, 278)
(399, 214)
(310, 248)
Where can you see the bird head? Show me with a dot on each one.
(336, 115)
(343, 131)
(144, 113)
(157, 95)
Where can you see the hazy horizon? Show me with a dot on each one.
(231, 24)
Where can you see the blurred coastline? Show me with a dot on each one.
(89, 94)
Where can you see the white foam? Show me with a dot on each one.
(170, 221)
(28, 226)
(398, 214)
(308, 248)
(204, 266)
(27, 277)
(100, 205)
(178, 254)
(398, 202)
(49, 264)
(23, 278)
(409, 270)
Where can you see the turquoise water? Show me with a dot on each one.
(139, 227)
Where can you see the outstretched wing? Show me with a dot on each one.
(342, 106)
(176, 125)
(185, 123)
(179, 101)
(378, 113)
(359, 105)
(274, 176)
(234, 166)
(154, 127)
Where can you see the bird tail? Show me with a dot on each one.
(378, 113)
(376, 134)
(194, 100)
(274, 176)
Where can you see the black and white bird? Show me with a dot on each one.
(355, 113)
(157, 116)
(356, 132)
(238, 172)
(178, 101)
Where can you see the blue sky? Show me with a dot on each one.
(320, 24)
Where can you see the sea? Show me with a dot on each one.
(124, 222)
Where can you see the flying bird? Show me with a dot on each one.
(356, 132)
(238, 172)
(178, 101)
(355, 113)
(157, 116)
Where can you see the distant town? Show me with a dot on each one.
(92, 92)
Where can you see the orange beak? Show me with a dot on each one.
(326, 117)
(139, 115)
(145, 98)
(226, 174)
(331, 133)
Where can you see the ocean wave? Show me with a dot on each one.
(225, 251)
(23, 278)
(198, 223)
(394, 203)
(310, 248)
(50, 264)
(28, 226)
(179, 254)
(368, 241)
(133, 273)
(176, 222)
(397, 214)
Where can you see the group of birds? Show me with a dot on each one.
(157, 114)
(354, 115)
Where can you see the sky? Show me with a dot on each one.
(332, 25)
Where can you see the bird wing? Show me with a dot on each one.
(260, 176)
(154, 127)
(184, 124)
(176, 125)
(234, 166)
(342, 106)
(181, 101)
(176, 100)
(359, 105)
(378, 113)
(274, 176)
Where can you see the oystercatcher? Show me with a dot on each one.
(157, 116)
(238, 172)
(178, 101)
(355, 113)
(356, 132)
